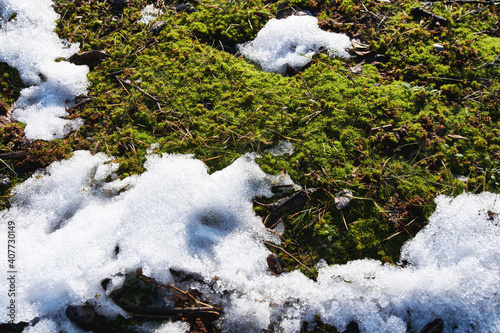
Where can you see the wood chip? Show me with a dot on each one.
(456, 136)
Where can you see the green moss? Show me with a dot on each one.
(394, 134)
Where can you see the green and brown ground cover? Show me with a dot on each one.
(398, 123)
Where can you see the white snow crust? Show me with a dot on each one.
(29, 44)
(149, 13)
(69, 220)
(292, 41)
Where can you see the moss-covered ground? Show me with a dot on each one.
(398, 123)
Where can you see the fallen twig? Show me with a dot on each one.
(493, 63)
(296, 200)
(85, 58)
(187, 293)
(384, 127)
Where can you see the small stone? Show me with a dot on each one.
(438, 47)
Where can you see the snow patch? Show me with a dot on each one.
(29, 44)
(292, 41)
(69, 221)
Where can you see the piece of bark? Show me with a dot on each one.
(88, 57)
(296, 200)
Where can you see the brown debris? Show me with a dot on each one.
(83, 316)
(284, 10)
(275, 265)
(342, 199)
(119, 4)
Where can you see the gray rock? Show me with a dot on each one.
(343, 198)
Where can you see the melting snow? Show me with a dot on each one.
(281, 149)
(29, 44)
(149, 13)
(70, 219)
(292, 41)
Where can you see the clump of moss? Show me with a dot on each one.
(411, 121)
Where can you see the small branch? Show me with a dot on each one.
(96, 147)
(137, 88)
(13, 155)
(385, 127)
(80, 102)
(274, 232)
